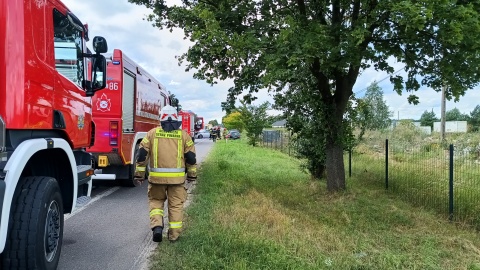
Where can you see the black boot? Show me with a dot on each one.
(157, 234)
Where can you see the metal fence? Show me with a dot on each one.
(445, 178)
(440, 177)
(279, 140)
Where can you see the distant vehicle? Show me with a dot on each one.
(203, 134)
(233, 134)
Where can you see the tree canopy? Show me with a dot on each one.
(255, 119)
(380, 113)
(455, 115)
(323, 46)
(234, 121)
(174, 102)
(475, 118)
(428, 118)
(372, 111)
(213, 122)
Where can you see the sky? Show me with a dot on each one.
(124, 26)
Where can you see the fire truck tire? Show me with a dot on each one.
(35, 232)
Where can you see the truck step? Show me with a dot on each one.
(83, 200)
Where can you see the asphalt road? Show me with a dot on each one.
(112, 230)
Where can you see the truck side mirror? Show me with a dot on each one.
(99, 72)
(100, 45)
(99, 75)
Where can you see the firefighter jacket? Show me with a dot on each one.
(170, 157)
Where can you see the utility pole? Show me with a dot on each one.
(442, 120)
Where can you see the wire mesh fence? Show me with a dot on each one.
(441, 177)
(279, 140)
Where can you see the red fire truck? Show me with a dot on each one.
(188, 122)
(123, 114)
(45, 126)
(191, 123)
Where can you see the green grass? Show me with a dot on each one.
(255, 209)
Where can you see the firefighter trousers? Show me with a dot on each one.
(176, 195)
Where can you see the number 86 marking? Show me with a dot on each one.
(113, 86)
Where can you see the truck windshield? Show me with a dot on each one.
(68, 44)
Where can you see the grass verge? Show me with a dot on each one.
(254, 209)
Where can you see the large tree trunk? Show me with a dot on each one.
(335, 138)
(335, 106)
(335, 166)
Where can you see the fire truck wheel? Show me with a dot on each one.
(35, 232)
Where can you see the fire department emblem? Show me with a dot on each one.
(103, 103)
(81, 122)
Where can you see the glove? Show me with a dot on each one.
(139, 180)
(191, 178)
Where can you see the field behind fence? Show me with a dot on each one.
(443, 177)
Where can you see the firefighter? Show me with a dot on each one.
(218, 133)
(214, 134)
(225, 133)
(170, 155)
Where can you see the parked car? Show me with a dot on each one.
(233, 134)
(202, 134)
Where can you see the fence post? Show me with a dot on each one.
(276, 143)
(271, 140)
(281, 141)
(350, 162)
(289, 141)
(386, 163)
(450, 186)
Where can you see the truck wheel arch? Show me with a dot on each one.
(15, 166)
(137, 139)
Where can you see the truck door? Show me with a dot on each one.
(70, 101)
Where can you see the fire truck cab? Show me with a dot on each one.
(199, 124)
(47, 79)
